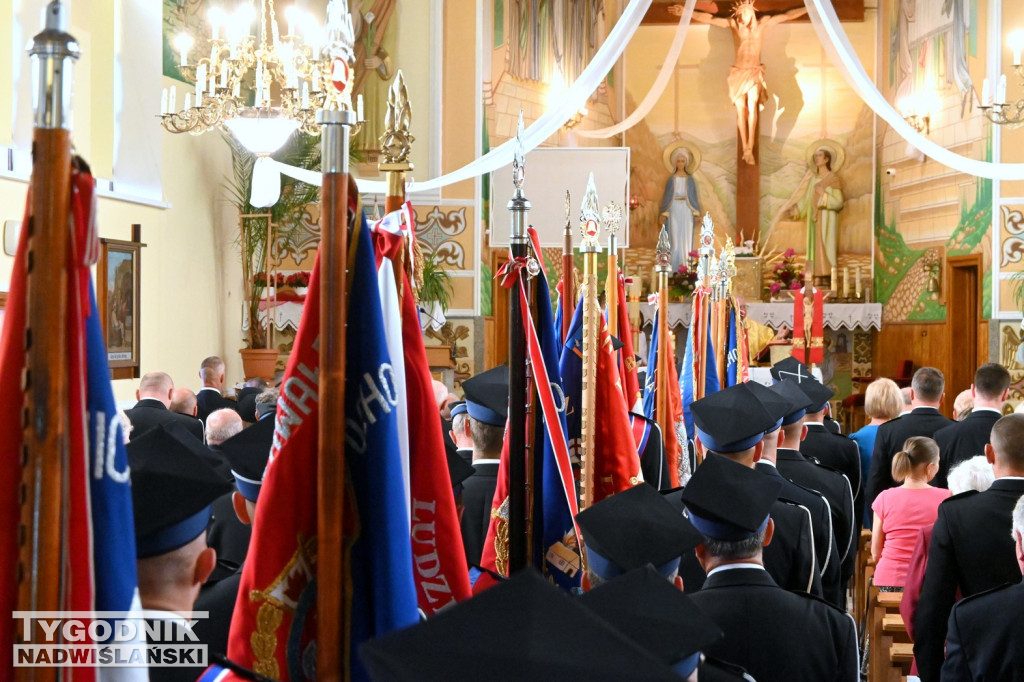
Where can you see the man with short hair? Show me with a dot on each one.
(832, 485)
(487, 405)
(983, 638)
(460, 433)
(825, 550)
(962, 440)
(927, 392)
(212, 374)
(154, 398)
(221, 425)
(972, 549)
(732, 423)
(266, 403)
(183, 401)
(774, 634)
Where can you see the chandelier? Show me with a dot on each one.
(262, 88)
(997, 109)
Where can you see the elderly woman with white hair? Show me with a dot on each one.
(971, 474)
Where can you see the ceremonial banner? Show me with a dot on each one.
(651, 381)
(627, 355)
(439, 558)
(616, 464)
(99, 537)
(274, 622)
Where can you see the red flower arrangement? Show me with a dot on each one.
(787, 274)
(298, 279)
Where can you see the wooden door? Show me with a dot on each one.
(963, 320)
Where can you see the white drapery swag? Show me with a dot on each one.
(659, 85)
(266, 174)
(833, 38)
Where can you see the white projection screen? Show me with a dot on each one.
(550, 171)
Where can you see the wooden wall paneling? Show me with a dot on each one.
(926, 344)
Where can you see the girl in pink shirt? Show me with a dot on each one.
(901, 512)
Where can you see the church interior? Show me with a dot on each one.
(937, 250)
(840, 181)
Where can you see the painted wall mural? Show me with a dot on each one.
(925, 212)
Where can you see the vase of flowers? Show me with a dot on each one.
(299, 282)
(785, 274)
(683, 281)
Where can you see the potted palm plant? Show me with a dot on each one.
(260, 231)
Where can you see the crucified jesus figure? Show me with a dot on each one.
(747, 88)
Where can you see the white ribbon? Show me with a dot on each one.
(835, 42)
(575, 97)
(659, 85)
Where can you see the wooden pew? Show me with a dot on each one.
(885, 631)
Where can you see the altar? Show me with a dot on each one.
(849, 335)
(850, 316)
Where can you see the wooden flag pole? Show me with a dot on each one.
(663, 267)
(44, 484)
(568, 274)
(590, 249)
(518, 205)
(332, 645)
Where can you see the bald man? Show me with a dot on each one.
(221, 425)
(155, 392)
(183, 401)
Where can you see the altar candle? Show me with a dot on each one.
(856, 281)
(846, 281)
(986, 94)
(163, 102)
(834, 279)
(359, 108)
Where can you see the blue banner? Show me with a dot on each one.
(383, 592)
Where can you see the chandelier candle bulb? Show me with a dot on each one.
(171, 103)
(223, 75)
(163, 102)
(200, 77)
(316, 80)
(212, 88)
(215, 16)
(1001, 93)
(986, 94)
(199, 93)
(1016, 42)
(359, 108)
(305, 95)
(236, 90)
(188, 100)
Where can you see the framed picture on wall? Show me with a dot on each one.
(117, 296)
